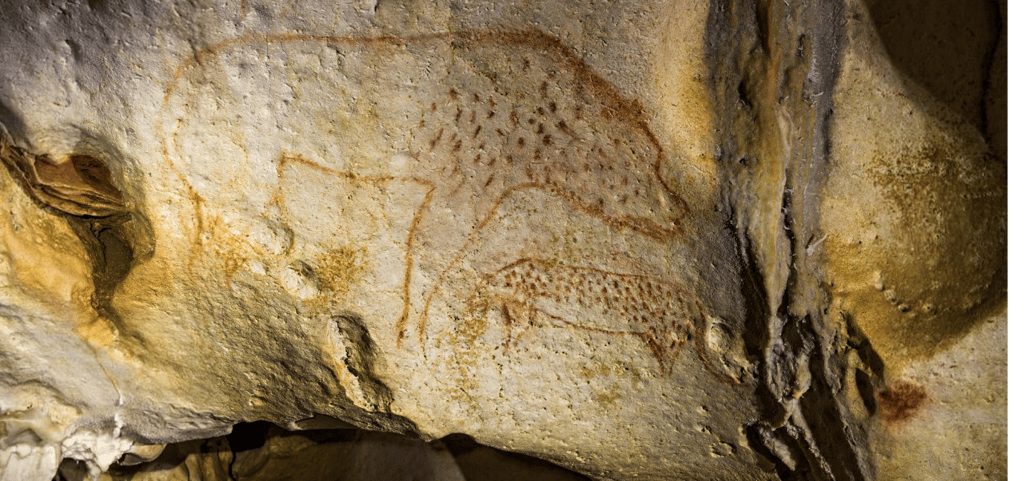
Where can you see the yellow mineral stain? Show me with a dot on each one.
(49, 263)
(928, 272)
(339, 269)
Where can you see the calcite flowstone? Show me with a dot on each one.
(640, 240)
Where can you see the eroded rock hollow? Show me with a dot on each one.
(460, 240)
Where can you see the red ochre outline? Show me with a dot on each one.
(629, 112)
(664, 363)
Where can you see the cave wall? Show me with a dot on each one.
(725, 239)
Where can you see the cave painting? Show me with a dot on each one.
(435, 137)
(664, 316)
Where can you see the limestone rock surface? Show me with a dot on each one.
(639, 240)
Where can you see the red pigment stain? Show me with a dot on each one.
(901, 401)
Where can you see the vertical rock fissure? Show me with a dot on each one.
(773, 66)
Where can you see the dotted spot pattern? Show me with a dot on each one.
(480, 117)
(515, 117)
(665, 316)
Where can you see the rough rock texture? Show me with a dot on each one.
(726, 239)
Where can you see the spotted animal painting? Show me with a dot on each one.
(530, 292)
(431, 146)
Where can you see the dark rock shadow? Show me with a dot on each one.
(946, 46)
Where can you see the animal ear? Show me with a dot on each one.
(79, 184)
